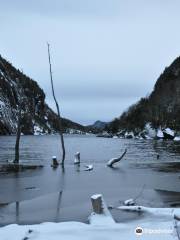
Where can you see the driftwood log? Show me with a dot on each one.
(112, 161)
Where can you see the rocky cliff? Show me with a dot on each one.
(37, 116)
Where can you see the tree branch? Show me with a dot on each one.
(112, 161)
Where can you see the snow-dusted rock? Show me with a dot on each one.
(129, 135)
(168, 133)
(160, 133)
(177, 138)
(151, 132)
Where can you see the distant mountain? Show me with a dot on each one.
(98, 125)
(38, 117)
(161, 109)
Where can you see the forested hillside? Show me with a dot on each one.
(161, 109)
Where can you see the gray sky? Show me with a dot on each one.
(106, 54)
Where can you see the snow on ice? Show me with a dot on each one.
(154, 224)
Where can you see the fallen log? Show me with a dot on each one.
(112, 161)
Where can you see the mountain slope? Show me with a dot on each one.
(98, 125)
(37, 116)
(160, 109)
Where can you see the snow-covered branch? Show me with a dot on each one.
(112, 161)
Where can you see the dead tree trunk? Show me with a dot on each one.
(112, 161)
(18, 136)
(58, 110)
(97, 203)
(19, 122)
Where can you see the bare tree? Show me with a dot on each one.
(18, 134)
(58, 110)
(19, 122)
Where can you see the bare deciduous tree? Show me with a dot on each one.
(58, 110)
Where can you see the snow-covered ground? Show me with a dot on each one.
(158, 224)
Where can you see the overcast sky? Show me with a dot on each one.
(106, 54)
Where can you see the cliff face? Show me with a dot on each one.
(37, 117)
(160, 109)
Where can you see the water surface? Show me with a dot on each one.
(35, 196)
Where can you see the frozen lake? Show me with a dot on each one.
(35, 196)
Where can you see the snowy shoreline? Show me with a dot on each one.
(157, 224)
(148, 133)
